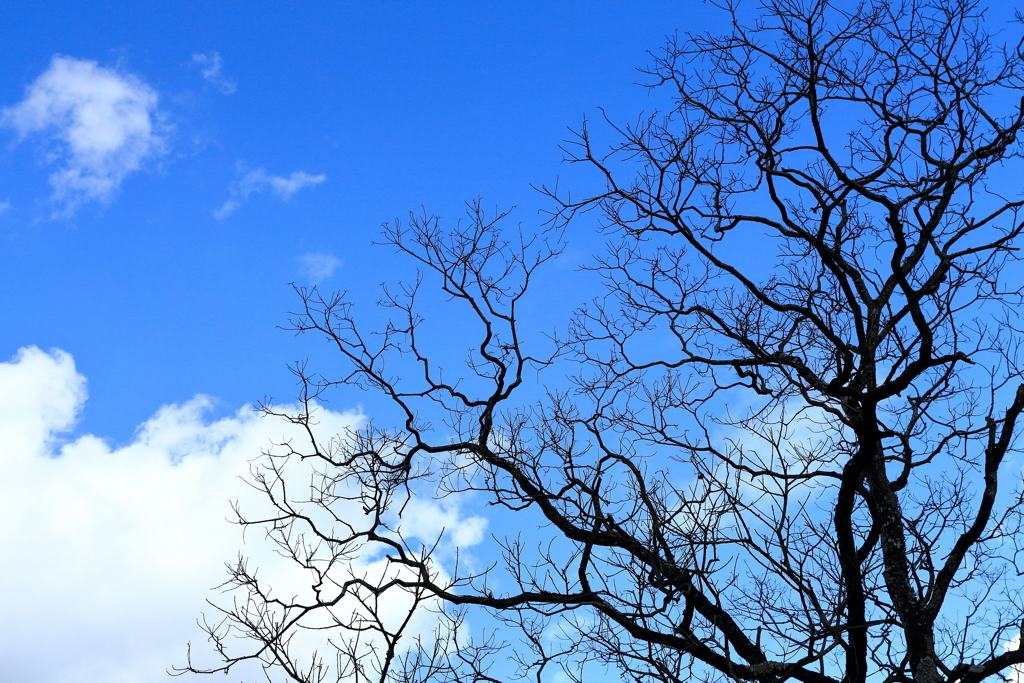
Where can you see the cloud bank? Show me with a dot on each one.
(100, 126)
(109, 553)
(259, 181)
(209, 66)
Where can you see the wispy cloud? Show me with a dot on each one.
(318, 267)
(4, 205)
(102, 124)
(209, 66)
(258, 181)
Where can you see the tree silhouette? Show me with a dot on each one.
(786, 448)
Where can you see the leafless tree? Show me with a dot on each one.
(787, 447)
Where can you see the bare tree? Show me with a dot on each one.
(787, 445)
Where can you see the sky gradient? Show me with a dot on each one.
(166, 171)
(273, 137)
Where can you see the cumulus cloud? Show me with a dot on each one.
(102, 126)
(258, 181)
(109, 553)
(209, 66)
(318, 267)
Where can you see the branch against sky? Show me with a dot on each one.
(107, 562)
(139, 527)
(787, 449)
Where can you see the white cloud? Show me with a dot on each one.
(209, 66)
(109, 553)
(103, 125)
(318, 267)
(427, 519)
(5, 205)
(1016, 673)
(258, 181)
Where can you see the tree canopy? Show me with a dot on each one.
(782, 444)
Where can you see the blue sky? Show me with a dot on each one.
(394, 106)
(166, 170)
